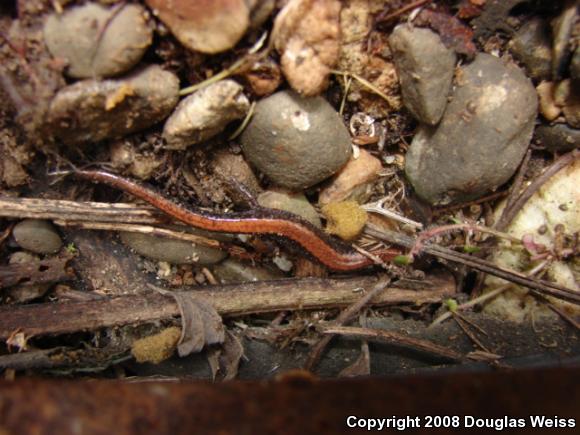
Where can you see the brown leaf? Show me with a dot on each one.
(307, 33)
(226, 360)
(453, 32)
(201, 324)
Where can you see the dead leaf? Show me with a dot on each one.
(226, 360)
(453, 32)
(306, 33)
(201, 324)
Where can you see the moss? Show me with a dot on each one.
(157, 347)
(346, 219)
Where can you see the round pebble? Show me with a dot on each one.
(37, 236)
(96, 41)
(292, 202)
(296, 141)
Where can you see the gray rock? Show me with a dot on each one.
(425, 67)
(37, 236)
(531, 45)
(96, 41)
(558, 137)
(482, 137)
(171, 250)
(204, 114)
(231, 271)
(296, 141)
(93, 110)
(293, 202)
(575, 65)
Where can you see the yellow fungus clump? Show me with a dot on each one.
(157, 347)
(346, 219)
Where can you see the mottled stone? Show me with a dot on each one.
(93, 110)
(204, 114)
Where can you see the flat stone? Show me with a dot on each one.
(37, 236)
(96, 41)
(296, 141)
(531, 45)
(481, 138)
(558, 137)
(204, 114)
(425, 67)
(233, 271)
(94, 110)
(209, 26)
(171, 250)
(293, 202)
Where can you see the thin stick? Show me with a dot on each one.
(517, 204)
(344, 317)
(396, 339)
(550, 288)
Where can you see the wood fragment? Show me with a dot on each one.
(229, 300)
(35, 272)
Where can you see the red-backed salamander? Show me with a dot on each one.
(332, 253)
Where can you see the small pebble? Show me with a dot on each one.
(482, 137)
(559, 138)
(171, 250)
(234, 271)
(93, 110)
(37, 236)
(425, 67)
(296, 141)
(531, 45)
(204, 114)
(209, 26)
(96, 41)
(548, 107)
(292, 202)
(354, 181)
